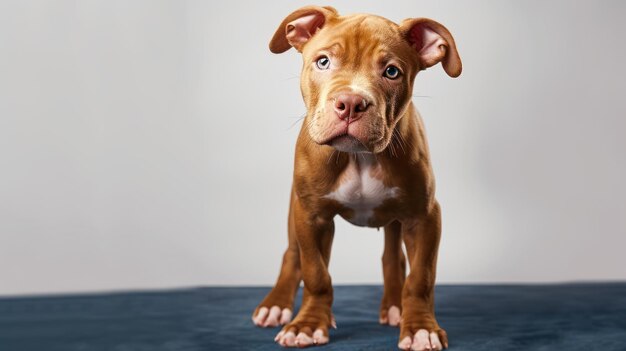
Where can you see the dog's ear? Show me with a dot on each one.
(297, 28)
(433, 43)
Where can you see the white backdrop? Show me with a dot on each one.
(150, 144)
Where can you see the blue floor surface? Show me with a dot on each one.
(476, 317)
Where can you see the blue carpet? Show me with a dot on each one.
(477, 317)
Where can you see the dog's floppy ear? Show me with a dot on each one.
(433, 43)
(297, 28)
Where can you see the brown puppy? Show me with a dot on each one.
(361, 154)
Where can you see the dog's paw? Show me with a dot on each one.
(271, 317)
(296, 336)
(424, 339)
(307, 329)
(390, 316)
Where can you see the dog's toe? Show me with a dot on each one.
(405, 344)
(392, 317)
(288, 339)
(260, 316)
(421, 341)
(319, 338)
(273, 317)
(285, 316)
(303, 340)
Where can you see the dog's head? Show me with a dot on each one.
(358, 71)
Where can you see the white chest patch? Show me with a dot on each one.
(360, 190)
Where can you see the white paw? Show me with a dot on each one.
(421, 341)
(290, 339)
(272, 317)
(393, 317)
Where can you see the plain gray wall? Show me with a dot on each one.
(150, 144)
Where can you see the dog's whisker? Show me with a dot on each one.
(290, 78)
(329, 157)
(296, 122)
(398, 136)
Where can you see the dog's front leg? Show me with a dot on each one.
(315, 235)
(419, 329)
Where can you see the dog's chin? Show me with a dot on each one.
(348, 143)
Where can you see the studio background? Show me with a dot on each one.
(150, 144)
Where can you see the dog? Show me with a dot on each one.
(361, 154)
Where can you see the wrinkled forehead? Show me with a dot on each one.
(359, 39)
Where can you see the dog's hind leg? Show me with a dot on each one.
(394, 273)
(277, 307)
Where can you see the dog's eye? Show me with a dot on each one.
(323, 63)
(392, 72)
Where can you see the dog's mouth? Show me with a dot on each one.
(346, 143)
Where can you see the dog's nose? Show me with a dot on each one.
(350, 106)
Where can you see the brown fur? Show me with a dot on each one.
(392, 130)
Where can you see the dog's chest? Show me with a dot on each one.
(361, 189)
